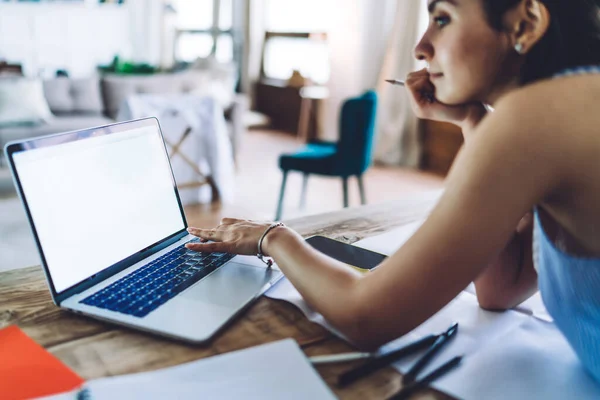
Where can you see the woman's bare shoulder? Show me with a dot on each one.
(559, 98)
(553, 110)
(549, 127)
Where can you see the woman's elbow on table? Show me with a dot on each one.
(493, 302)
(362, 324)
(358, 333)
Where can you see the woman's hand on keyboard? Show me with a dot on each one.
(235, 236)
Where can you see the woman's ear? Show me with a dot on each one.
(527, 23)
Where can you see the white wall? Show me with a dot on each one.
(75, 37)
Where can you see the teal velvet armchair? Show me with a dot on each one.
(350, 156)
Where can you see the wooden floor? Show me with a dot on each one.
(258, 181)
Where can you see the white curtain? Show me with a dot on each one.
(345, 42)
(371, 41)
(254, 37)
(397, 127)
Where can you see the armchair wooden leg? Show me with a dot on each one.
(361, 188)
(280, 204)
(345, 186)
(303, 194)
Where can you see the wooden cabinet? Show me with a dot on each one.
(282, 103)
(441, 143)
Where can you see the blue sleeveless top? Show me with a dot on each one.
(570, 287)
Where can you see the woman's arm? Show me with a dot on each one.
(511, 278)
(494, 182)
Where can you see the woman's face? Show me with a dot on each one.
(468, 59)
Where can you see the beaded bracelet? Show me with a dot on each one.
(260, 254)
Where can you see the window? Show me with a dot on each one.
(296, 39)
(204, 28)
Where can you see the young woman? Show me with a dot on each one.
(521, 209)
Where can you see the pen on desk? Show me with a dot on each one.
(384, 360)
(433, 350)
(420, 384)
(338, 358)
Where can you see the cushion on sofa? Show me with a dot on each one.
(66, 95)
(116, 88)
(220, 84)
(22, 101)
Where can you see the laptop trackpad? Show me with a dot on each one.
(231, 285)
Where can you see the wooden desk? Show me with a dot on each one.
(95, 349)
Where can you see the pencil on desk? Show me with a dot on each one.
(337, 358)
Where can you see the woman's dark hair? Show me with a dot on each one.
(572, 39)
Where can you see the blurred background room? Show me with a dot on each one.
(245, 91)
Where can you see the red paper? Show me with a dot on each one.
(27, 370)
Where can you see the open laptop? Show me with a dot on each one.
(110, 229)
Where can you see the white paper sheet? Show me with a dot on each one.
(477, 328)
(535, 307)
(276, 370)
(533, 361)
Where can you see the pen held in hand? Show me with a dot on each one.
(397, 82)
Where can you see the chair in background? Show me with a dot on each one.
(350, 156)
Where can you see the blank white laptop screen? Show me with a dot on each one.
(97, 201)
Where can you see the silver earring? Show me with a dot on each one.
(519, 48)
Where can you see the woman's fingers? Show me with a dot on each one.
(426, 106)
(205, 234)
(232, 236)
(219, 247)
(421, 88)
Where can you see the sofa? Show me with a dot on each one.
(84, 103)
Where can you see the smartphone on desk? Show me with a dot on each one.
(358, 258)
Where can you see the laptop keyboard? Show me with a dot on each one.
(152, 285)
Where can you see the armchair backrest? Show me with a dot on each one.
(357, 134)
